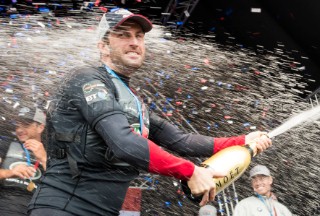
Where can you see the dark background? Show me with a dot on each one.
(291, 23)
(294, 23)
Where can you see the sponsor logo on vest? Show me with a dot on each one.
(91, 97)
(88, 87)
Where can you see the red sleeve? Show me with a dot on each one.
(164, 163)
(222, 143)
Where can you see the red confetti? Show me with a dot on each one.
(97, 3)
(240, 88)
(257, 72)
(103, 9)
(293, 65)
(179, 90)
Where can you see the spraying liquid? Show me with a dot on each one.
(307, 116)
(236, 159)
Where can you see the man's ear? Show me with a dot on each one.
(104, 48)
(40, 128)
(271, 180)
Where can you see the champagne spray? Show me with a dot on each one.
(236, 159)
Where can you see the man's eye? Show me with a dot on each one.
(140, 35)
(124, 35)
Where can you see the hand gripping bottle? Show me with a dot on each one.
(234, 159)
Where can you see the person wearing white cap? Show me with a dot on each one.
(24, 161)
(262, 203)
(102, 135)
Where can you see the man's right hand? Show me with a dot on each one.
(201, 183)
(23, 171)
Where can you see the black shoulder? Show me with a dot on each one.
(86, 74)
(87, 71)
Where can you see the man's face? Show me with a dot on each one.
(126, 45)
(28, 130)
(261, 184)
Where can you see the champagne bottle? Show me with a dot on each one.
(234, 159)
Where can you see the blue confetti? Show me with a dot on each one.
(212, 29)
(148, 80)
(43, 10)
(13, 16)
(27, 26)
(114, 9)
(153, 106)
(229, 11)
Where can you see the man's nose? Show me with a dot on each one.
(134, 41)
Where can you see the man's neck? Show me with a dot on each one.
(124, 71)
(267, 195)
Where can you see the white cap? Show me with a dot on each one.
(259, 170)
(208, 210)
(33, 113)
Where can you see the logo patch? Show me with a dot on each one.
(88, 87)
(94, 91)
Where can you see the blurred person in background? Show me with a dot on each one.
(22, 162)
(208, 210)
(263, 202)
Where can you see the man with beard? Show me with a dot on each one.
(101, 134)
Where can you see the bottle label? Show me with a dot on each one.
(225, 181)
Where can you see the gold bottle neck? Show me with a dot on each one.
(252, 147)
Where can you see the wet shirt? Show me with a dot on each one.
(253, 206)
(95, 120)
